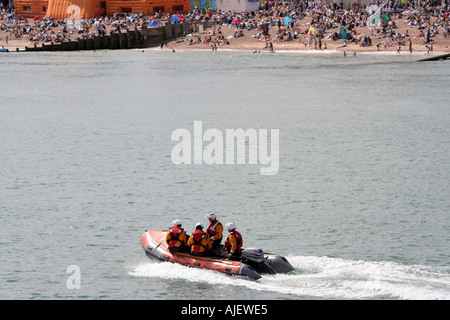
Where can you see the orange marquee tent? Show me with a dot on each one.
(74, 9)
(147, 6)
(31, 8)
(62, 9)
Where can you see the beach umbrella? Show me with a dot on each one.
(37, 18)
(236, 21)
(9, 16)
(312, 31)
(153, 23)
(361, 36)
(410, 13)
(287, 20)
(177, 18)
(342, 33)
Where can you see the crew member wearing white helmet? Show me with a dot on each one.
(176, 237)
(233, 243)
(199, 242)
(214, 229)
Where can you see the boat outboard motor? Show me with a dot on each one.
(255, 258)
(278, 263)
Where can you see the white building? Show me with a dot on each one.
(237, 5)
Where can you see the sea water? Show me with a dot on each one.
(359, 205)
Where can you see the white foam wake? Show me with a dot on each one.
(328, 278)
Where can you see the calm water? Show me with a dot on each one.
(360, 204)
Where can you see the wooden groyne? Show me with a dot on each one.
(128, 39)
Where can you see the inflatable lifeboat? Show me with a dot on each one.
(253, 263)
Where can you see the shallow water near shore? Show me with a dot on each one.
(359, 205)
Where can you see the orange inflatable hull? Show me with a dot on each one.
(155, 247)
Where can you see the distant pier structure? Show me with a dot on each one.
(438, 57)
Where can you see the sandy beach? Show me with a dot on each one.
(248, 42)
(216, 38)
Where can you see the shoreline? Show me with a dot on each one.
(349, 50)
(403, 53)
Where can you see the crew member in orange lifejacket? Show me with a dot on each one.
(199, 242)
(176, 237)
(214, 229)
(233, 243)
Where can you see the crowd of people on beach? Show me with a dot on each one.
(275, 21)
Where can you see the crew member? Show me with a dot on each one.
(214, 229)
(233, 243)
(199, 242)
(176, 237)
